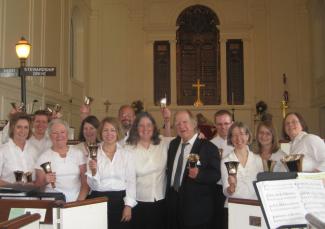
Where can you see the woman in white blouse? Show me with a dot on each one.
(241, 186)
(311, 146)
(113, 175)
(68, 165)
(88, 133)
(17, 154)
(268, 145)
(150, 151)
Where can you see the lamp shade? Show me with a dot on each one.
(23, 48)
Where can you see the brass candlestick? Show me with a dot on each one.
(284, 107)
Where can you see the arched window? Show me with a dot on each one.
(198, 55)
(77, 46)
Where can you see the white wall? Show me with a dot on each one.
(116, 64)
(45, 24)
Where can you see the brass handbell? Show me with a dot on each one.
(19, 175)
(193, 160)
(47, 169)
(57, 108)
(293, 162)
(21, 106)
(92, 148)
(268, 165)
(29, 177)
(88, 100)
(163, 102)
(232, 167)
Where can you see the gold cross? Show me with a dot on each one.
(198, 85)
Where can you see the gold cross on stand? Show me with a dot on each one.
(198, 85)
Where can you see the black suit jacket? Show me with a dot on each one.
(196, 196)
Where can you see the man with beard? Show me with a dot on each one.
(126, 116)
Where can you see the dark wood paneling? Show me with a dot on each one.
(235, 72)
(161, 71)
(198, 56)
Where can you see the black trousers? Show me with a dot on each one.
(115, 206)
(174, 219)
(219, 220)
(149, 215)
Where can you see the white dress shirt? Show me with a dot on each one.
(116, 175)
(187, 151)
(245, 176)
(67, 171)
(222, 144)
(41, 145)
(13, 158)
(313, 149)
(150, 169)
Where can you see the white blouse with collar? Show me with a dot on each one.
(116, 175)
(150, 167)
(13, 158)
(313, 149)
(245, 175)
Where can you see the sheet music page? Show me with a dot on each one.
(281, 202)
(312, 195)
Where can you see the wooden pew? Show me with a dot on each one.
(26, 221)
(244, 213)
(90, 213)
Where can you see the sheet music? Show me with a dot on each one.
(286, 202)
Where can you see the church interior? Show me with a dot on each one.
(110, 50)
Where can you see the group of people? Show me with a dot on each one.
(145, 174)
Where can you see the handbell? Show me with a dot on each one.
(232, 167)
(57, 108)
(19, 175)
(21, 106)
(29, 177)
(193, 160)
(268, 165)
(47, 169)
(92, 148)
(163, 102)
(88, 100)
(293, 162)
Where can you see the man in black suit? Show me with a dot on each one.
(190, 191)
